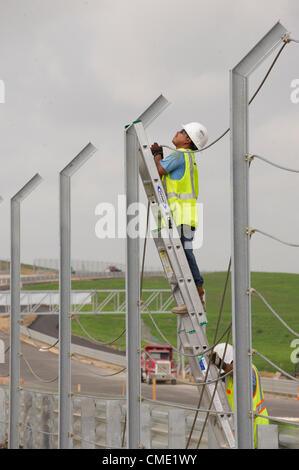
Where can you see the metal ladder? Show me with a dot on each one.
(177, 271)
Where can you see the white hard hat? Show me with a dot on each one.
(229, 352)
(197, 133)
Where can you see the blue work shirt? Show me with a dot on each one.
(174, 165)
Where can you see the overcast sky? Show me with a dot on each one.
(77, 71)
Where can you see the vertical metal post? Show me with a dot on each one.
(65, 404)
(65, 410)
(241, 270)
(15, 308)
(133, 332)
(241, 305)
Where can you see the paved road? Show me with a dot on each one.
(94, 381)
(48, 324)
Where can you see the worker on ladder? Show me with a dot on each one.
(180, 179)
(222, 357)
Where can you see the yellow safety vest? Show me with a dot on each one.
(182, 194)
(258, 401)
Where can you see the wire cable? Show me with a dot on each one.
(199, 353)
(101, 343)
(275, 164)
(269, 71)
(202, 410)
(47, 348)
(95, 373)
(205, 382)
(250, 101)
(254, 291)
(40, 348)
(280, 420)
(216, 332)
(214, 392)
(275, 366)
(40, 379)
(255, 230)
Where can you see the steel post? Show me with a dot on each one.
(133, 331)
(132, 296)
(65, 403)
(15, 308)
(241, 304)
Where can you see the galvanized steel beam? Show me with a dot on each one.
(133, 277)
(15, 281)
(241, 305)
(65, 407)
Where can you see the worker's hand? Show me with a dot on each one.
(215, 358)
(156, 149)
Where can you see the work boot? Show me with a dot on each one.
(183, 308)
(180, 309)
(202, 296)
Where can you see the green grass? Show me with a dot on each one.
(269, 336)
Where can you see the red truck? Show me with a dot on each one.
(157, 363)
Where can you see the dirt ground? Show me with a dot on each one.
(5, 322)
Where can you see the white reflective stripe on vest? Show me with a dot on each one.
(181, 196)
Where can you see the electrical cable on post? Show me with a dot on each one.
(214, 392)
(255, 230)
(184, 407)
(254, 291)
(214, 344)
(283, 372)
(281, 167)
(101, 343)
(286, 41)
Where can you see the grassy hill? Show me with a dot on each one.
(25, 268)
(269, 336)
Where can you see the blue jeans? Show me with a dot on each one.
(186, 235)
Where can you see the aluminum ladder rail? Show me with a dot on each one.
(177, 271)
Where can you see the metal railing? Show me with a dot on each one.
(104, 301)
